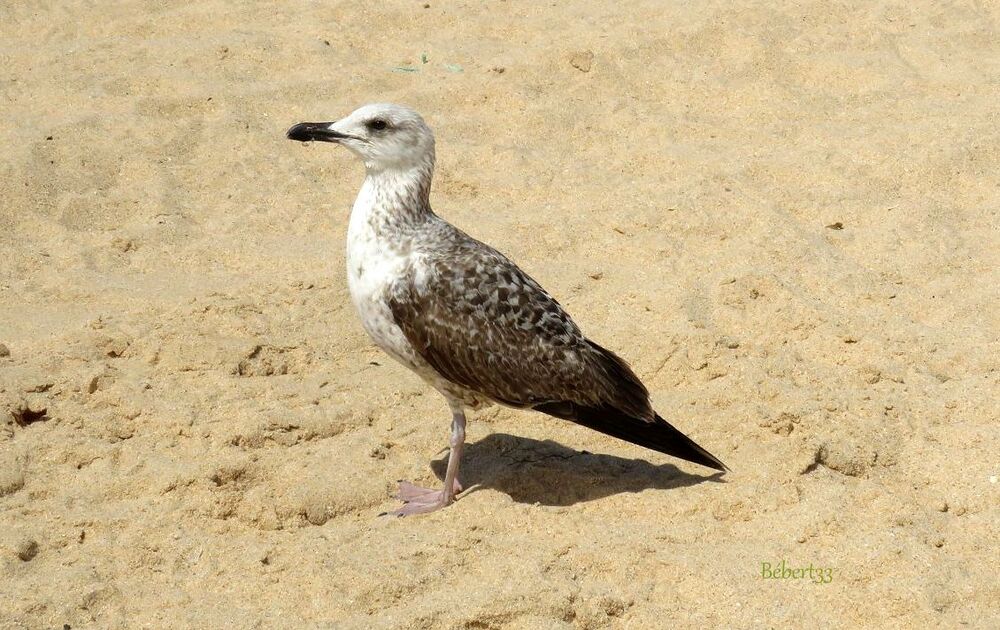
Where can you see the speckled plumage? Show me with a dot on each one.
(462, 315)
(483, 324)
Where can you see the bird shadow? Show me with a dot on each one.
(548, 473)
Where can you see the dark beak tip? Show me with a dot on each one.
(298, 132)
(310, 131)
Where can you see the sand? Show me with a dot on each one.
(785, 216)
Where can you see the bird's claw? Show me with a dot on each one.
(418, 500)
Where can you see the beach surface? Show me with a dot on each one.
(785, 216)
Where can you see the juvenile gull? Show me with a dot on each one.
(462, 316)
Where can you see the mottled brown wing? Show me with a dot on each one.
(484, 324)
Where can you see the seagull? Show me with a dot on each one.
(465, 318)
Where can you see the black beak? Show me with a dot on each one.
(308, 131)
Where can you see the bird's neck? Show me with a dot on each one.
(396, 198)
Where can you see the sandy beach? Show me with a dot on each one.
(785, 216)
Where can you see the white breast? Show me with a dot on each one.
(372, 266)
(374, 263)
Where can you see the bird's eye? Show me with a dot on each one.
(378, 124)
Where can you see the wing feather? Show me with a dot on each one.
(484, 324)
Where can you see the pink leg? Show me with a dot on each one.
(417, 500)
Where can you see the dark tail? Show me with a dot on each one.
(658, 435)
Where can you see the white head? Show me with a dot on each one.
(386, 137)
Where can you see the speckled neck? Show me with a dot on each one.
(399, 198)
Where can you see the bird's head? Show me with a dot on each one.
(385, 136)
